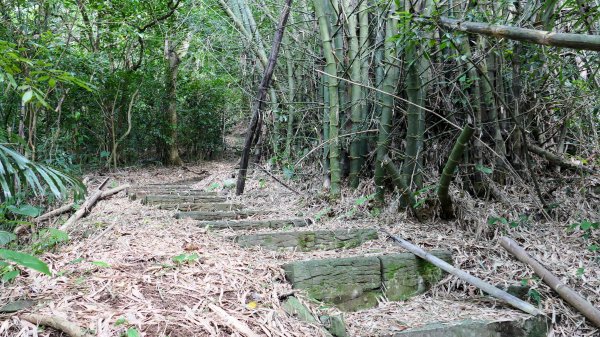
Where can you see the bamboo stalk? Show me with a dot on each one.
(334, 104)
(575, 41)
(463, 275)
(400, 183)
(566, 293)
(232, 322)
(448, 172)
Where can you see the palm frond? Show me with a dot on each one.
(17, 172)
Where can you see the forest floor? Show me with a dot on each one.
(117, 271)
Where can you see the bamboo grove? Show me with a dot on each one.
(431, 86)
(401, 95)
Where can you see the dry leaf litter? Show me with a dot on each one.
(119, 268)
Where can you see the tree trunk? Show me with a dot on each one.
(259, 102)
(173, 62)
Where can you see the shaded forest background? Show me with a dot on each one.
(365, 94)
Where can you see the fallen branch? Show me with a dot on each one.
(463, 275)
(85, 208)
(57, 323)
(115, 190)
(232, 322)
(557, 160)
(53, 213)
(277, 180)
(573, 298)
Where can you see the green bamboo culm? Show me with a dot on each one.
(386, 101)
(356, 95)
(401, 185)
(448, 172)
(334, 107)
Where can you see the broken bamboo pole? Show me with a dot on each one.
(448, 173)
(577, 301)
(58, 323)
(85, 208)
(557, 160)
(463, 275)
(232, 322)
(55, 212)
(564, 40)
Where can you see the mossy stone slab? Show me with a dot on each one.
(406, 275)
(254, 224)
(166, 198)
(350, 283)
(356, 283)
(191, 206)
(530, 327)
(308, 240)
(219, 215)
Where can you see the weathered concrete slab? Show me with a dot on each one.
(254, 224)
(531, 327)
(308, 240)
(224, 215)
(159, 199)
(356, 283)
(136, 194)
(207, 207)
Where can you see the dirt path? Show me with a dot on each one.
(134, 266)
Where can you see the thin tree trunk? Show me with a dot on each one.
(172, 70)
(258, 104)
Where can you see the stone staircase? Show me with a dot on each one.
(349, 283)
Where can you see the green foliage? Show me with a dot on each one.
(25, 260)
(49, 238)
(6, 237)
(185, 258)
(16, 171)
(588, 228)
(323, 213)
(521, 221)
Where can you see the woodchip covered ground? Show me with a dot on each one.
(118, 265)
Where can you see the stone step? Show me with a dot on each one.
(225, 215)
(140, 194)
(190, 206)
(165, 198)
(355, 283)
(255, 224)
(308, 240)
(530, 327)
